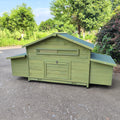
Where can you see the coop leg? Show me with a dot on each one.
(29, 79)
(87, 86)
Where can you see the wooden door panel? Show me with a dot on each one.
(57, 70)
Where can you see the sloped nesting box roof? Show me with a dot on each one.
(102, 58)
(17, 56)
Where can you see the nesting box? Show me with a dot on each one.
(62, 58)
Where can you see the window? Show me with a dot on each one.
(67, 52)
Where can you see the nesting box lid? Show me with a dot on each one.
(102, 58)
(17, 56)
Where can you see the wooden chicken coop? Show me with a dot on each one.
(62, 58)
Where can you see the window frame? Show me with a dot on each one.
(57, 52)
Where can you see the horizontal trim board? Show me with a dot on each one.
(22, 75)
(57, 81)
(67, 52)
(60, 58)
(95, 83)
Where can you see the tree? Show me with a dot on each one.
(5, 20)
(22, 18)
(86, 14)
(47, 25)
(108, 39)
(56, 25)
(64, 27)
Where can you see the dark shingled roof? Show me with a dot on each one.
(102, 58)
(77, 40)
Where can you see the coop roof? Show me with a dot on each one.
(17, 56)
(67, 37)
(102, 58)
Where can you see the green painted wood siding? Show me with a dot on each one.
(19, 67)
(72, 68)
(101, 74)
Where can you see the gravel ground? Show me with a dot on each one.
(23, 100)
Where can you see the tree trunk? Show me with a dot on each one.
(79, 30)
(83, 33)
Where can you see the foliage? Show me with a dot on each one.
(21, 19)
(4, 21)
(117, 10)
(115, 3)
(64, 27)
(47, 25)
(57, 26)
(108, 39)
(9, 39)
(87, 14)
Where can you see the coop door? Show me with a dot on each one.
(57, 70)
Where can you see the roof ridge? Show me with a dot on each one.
(67, 37)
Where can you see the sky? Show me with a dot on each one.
(41, 8)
